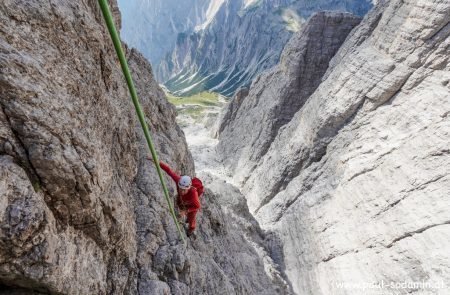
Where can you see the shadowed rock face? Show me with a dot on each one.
(278, 94)
(81, 210)
(357, 183)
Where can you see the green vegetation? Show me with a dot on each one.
(293, 22)
(36, 186)
(181, 82)
(194, 106)
(205, 99)
(292, 25)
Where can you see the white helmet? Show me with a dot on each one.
(185, 182)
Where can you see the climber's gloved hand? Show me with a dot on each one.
(183, 213)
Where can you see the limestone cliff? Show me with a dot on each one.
(357, 183)
(279, 93)
(81, 209)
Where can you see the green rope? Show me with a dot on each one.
(126, 72)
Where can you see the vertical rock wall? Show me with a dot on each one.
(81, 209)
(251, 122)
(357, 184)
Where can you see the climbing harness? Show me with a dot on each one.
(126, 72)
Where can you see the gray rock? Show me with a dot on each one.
(81, 209)
(250, 125)
(58, 77)
(229, 112)
(154, 287)
(357, 183)
(265, 243)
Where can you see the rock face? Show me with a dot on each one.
(357, 183)
(243, 39)
(81, 209)
(66, 212)
(278, 94)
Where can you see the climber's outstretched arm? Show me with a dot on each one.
(167, 169)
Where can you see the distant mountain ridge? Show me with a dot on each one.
(152, 26)
(243, 39)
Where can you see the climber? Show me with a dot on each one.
(188, 200)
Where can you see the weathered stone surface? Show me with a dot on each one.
(81, 209)
(65, 182)
(251, 122)
(34, 253)
(357, 184)
(228, 114)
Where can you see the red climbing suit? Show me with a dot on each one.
(189, 202)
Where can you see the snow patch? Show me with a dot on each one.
(247, 3)
(211, 12)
